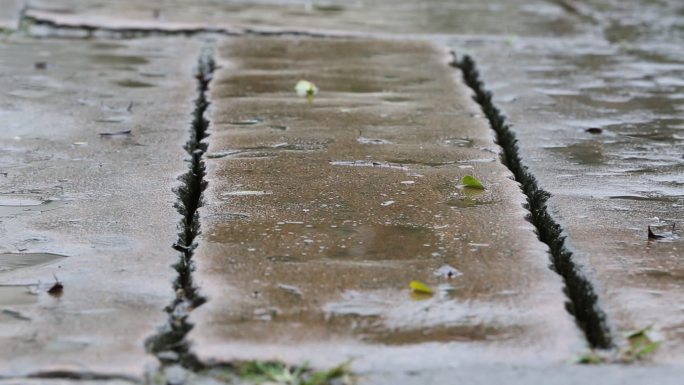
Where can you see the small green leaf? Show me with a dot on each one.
(472, 182)
(590, 358)
(641, 344)
(647, 350)
(638, 333)
(419, 287)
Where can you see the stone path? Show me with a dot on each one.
(318, 213)
(318, 216)
(101, 204)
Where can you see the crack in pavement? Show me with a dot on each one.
(584, 302)
(89, 31)
(70, 375)
(169, 344)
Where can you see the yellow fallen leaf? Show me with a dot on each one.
(419, 287)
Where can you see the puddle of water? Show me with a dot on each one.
(244, 122)
(222, 154)
(63, 346)
(396, 99)
(465, 202)
(149, 74)
(459, 142)
(107, 46)
(14, 261)
(31, 93)
(111, 120)
(120, 59)
(16, 295)
(364, 140)
(19, 204)
(380, 242)
(589, 152)
(446, 271)
(368, 163)
(301, 146)
(245, 193)
(229, 217)
(266, 151)
(290, 289)
(421, 163)
(133, 84)
(327, 8)
(643, 198)
(477, 160)
(19, 200)
(477, 332)
(356, 304)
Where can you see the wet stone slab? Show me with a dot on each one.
(9, 14)
(91, 136)
(318, 215)
(45, 381)
(339, 17)
(599, 119)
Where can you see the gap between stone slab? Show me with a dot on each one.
(88, 31)
(169, 345)
(584, 302)
(76, 376)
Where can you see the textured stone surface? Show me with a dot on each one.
(382, 17)
(104, 204)
(556, 68)
(9, 14)
(624, 82)
(318, 216)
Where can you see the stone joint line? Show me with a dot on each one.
(583, 301)
(170, 345)
(91, 31)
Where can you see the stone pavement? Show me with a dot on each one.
(599, 119)
(318, 214)
(101, 205)
(9, 15)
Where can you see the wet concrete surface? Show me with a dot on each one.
(599, 117)
(311, 234)
(10, 14)
(45, 381)
(381, 17)
(593, 90)
(92, 211)
(534, 375)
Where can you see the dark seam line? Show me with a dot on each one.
(70, 375)
(130, 33)
(169, 345)
(583, 300)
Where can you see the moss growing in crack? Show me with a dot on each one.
(583, 304)
(169, 345)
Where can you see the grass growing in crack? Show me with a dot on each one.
(583, 304)
(639, 346)
(269, 372)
